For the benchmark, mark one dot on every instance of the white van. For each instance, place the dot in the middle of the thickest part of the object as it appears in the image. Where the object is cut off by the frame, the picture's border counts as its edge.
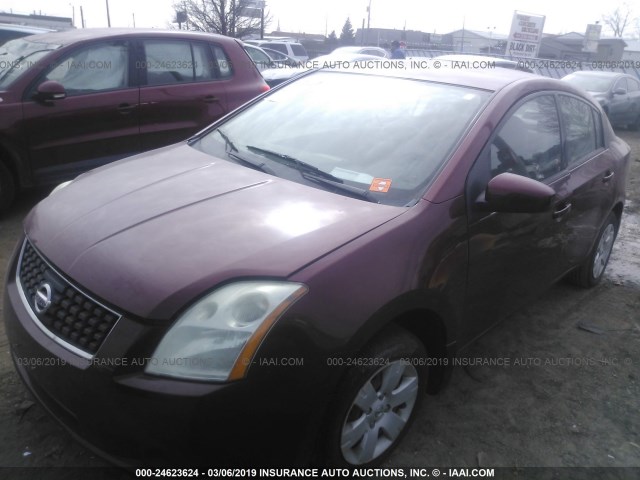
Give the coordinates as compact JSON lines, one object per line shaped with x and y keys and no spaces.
{"x":293,"y":49}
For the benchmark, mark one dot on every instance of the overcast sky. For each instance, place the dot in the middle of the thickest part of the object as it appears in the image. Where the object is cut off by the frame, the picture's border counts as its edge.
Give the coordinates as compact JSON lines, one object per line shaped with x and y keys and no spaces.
{"x":316,"y":16}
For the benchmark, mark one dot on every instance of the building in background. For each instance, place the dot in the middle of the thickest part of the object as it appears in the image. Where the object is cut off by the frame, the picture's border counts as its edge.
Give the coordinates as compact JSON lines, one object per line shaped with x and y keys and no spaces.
{"x":33,"y":20}
{"x":570,"y":46}
{"x":632,"y":50}
{"x":475,"y":41}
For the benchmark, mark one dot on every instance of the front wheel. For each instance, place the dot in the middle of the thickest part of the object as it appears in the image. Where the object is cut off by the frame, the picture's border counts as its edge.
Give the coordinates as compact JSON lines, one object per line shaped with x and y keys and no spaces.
{"x":378,"y":400}
{"x":590,"y":273}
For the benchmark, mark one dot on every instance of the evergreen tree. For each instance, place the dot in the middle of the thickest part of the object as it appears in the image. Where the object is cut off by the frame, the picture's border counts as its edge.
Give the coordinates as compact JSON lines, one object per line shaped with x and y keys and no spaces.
{"x":347,"y":37}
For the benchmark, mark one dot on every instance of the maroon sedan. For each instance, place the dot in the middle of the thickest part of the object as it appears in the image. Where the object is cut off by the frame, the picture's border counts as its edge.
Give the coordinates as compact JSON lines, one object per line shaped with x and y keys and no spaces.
{"x":74,"y":100}
{"x":291,"y":287}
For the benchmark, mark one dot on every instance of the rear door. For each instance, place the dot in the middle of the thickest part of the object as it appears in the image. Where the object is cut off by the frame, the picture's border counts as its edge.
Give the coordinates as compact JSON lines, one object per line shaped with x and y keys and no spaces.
{"x":184,"y":88}
{"x":590,"y":187}
{"x":619,"y":105}
{"x":633,"y":90}
{"x":96,"y":123}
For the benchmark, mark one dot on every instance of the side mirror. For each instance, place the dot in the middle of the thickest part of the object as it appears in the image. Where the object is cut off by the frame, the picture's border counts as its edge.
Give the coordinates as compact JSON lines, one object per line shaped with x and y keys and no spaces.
{"x":620,"y":91}
{"x":49,"y":91}
{"x":513,"y":193}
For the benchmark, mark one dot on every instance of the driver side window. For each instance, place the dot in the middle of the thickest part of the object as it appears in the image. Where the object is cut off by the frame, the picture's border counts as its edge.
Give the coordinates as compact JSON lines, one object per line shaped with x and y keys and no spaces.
{"x":96,"y":68}
{"x":528,"y":143}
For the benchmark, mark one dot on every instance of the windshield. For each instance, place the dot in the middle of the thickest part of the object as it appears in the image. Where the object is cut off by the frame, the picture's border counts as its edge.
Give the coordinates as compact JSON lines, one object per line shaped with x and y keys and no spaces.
{"x":385,"y":136}
{"x":18,"y":56}
{"x":591,"y":83}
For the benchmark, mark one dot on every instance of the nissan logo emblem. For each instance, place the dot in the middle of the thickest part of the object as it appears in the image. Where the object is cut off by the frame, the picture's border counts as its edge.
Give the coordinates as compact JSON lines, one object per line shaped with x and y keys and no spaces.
{"x":42,"y":300}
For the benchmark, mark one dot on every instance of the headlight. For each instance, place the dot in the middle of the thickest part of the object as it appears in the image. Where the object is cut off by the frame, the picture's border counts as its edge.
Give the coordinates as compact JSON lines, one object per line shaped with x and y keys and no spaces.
{"x":217,"y":337}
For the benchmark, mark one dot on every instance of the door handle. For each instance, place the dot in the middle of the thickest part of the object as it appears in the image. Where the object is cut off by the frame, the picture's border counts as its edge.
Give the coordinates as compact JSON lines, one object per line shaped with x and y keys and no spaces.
{"x":561,"y":211}
{"x":126,"y":108}
{"x":608,"y":176}
{"x":211,"y":99}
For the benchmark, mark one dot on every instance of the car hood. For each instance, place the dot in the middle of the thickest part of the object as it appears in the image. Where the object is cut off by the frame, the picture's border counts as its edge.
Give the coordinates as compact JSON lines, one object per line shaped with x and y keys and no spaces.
{"x":150,"y":233}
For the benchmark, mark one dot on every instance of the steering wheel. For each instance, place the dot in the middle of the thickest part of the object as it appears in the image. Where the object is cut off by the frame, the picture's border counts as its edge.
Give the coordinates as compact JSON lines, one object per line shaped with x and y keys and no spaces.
{"x":508,"y":159}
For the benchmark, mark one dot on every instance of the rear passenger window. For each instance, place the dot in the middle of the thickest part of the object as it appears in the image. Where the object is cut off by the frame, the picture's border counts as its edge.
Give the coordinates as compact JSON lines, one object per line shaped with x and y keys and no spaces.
{"x":222,"y":61}
{"x":202,"y":66}
{"x":632,"y":85}
{"x":277,"y":46}
{"x":580,"y":128}
{"x":298,"y":50}
{"x":528,"y":143}
{"x":170,"y":61}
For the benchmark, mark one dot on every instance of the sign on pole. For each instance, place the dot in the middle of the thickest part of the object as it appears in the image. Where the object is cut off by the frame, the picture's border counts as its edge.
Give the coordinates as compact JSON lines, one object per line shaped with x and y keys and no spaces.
{"x":252,"y":8}
{"x":526,"y":35}
{"x":591,"y":38}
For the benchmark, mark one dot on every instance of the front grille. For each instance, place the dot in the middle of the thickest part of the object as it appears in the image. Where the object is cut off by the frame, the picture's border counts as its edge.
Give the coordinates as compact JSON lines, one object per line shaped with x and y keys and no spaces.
{"x":72,"y":318}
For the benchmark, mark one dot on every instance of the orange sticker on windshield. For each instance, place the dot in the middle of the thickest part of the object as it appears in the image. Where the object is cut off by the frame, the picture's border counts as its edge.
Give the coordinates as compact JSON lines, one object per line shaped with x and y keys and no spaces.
{"x":381,"y":185}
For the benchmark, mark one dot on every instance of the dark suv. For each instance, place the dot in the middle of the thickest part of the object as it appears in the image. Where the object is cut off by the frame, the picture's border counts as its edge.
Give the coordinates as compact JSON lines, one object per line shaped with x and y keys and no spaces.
{"x":74,"y":100}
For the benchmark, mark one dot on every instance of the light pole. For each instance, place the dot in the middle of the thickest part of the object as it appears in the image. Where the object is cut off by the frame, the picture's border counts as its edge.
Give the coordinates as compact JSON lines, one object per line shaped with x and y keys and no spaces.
{"x":108,"y":16}
{"x":490,"y":30}
{"x":368,"y":20}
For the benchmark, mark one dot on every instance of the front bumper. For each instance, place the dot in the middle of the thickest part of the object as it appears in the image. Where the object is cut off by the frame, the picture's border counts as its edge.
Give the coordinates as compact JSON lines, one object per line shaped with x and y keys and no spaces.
{"x":133,"y":419}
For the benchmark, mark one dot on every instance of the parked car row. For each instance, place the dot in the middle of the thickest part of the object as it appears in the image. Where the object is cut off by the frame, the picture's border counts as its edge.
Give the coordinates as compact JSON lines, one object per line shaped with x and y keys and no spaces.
{"x":75,"y":100}
{"x":291,"y":49}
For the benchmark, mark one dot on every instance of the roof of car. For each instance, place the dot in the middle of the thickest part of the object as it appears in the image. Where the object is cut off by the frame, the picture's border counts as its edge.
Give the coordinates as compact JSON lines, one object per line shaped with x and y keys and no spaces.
{"x":82,"y":34}
{"x":597,"y":74}
{"x":488,"y":79}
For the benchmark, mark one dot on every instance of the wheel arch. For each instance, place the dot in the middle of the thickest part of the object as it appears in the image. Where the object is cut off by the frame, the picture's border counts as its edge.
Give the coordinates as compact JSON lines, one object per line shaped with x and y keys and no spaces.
{"x":427,"y":317}
{"x":617,"y":210}
{"x":13,"y":160}
{"x":430,"y":329}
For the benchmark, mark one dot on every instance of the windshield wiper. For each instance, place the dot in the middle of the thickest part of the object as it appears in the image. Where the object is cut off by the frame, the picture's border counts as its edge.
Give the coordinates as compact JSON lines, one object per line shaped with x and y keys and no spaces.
{"x":290,"y":161}
{"x":227,"y":141}
{"x":343,"y":187}
{"x":230,"y":147}
{"x":314,"y":174}
{"x":251,"y":164}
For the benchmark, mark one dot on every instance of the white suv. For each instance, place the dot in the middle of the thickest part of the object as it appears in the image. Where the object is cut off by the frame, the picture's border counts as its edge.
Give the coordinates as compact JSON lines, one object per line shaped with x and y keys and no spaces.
{"x":293,"y":49}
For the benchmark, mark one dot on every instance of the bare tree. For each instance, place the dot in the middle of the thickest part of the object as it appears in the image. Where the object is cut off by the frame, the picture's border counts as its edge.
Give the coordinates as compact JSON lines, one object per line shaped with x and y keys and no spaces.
{"x":619,"y":19}
{"x":234,"y":18}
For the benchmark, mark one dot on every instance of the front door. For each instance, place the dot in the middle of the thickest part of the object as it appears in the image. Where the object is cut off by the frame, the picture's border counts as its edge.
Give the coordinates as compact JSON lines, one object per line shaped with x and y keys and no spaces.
{"x":514,"y":256}
{"x":95,"y":124}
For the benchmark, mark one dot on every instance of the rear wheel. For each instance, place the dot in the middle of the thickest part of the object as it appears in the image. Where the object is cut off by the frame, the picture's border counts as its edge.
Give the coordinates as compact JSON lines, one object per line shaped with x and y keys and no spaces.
{"x":590,"y":273}
{"x":7,"y":187}
{"x":378,"y":400}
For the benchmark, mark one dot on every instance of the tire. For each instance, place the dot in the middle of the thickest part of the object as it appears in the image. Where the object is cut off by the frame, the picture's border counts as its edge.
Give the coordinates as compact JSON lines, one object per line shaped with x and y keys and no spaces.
{"x":635,"y":126}
{"x":377,"y":403}
{"x":7,"y":187}
{"x":590,"y":273}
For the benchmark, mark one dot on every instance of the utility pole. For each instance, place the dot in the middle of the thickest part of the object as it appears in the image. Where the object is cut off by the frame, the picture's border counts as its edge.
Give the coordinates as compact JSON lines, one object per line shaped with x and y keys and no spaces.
{"x":133,"y":15}
{"x":108,"y":16}
{"x":262,"y":22}
{"x":81,"y":16}
{"x":368,"y":21}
